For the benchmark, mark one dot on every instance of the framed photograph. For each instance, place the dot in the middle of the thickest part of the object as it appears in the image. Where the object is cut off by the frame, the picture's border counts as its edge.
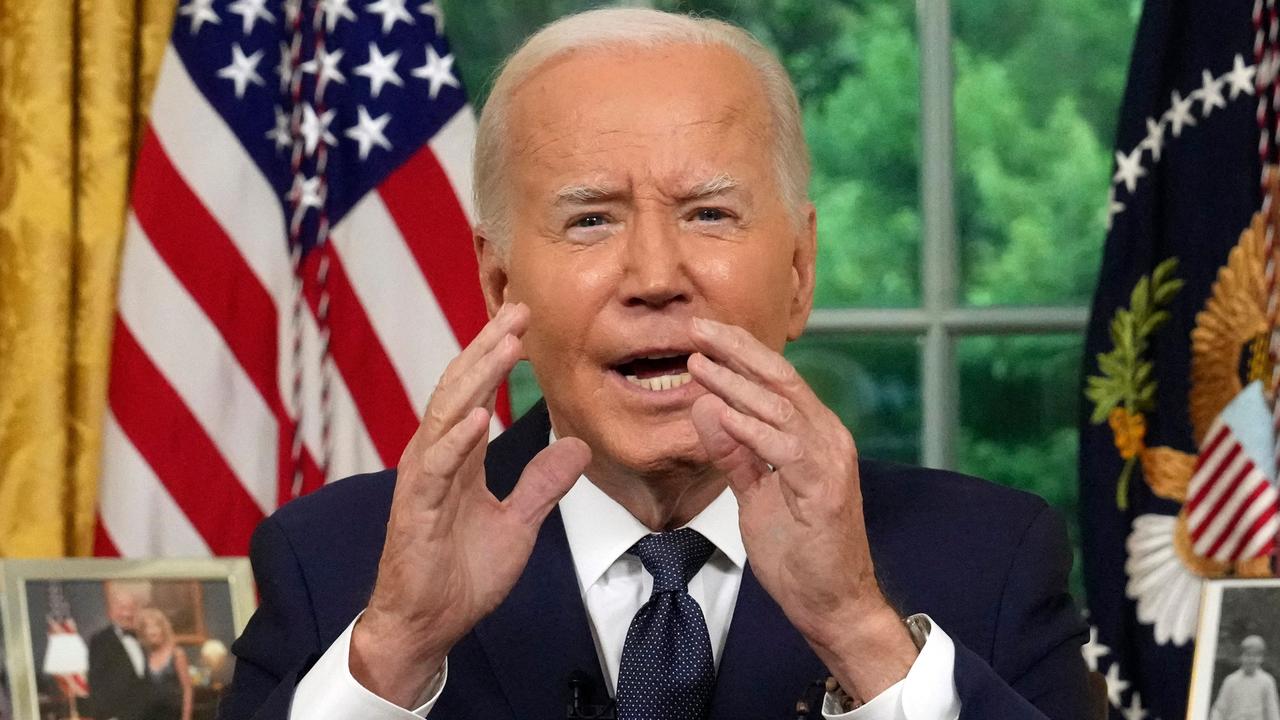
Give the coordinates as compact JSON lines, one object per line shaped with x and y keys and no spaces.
{"x":102,"y":639}
{"x":6,"y":702}
{"x":1237,"y":658}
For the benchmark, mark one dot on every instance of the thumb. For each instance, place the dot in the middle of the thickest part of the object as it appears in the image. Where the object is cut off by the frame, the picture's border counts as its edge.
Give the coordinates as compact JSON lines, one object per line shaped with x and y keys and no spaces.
{"x":546,"y":479}
{"x":741,"y":466}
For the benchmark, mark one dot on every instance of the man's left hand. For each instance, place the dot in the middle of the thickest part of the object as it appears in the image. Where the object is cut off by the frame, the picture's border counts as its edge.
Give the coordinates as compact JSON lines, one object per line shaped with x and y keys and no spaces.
{"x":794,"y":469}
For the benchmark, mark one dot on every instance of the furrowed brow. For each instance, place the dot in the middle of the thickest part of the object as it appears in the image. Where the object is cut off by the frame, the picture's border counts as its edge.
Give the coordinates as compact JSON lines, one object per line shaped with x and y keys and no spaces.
{"x":718,"y":185}
{"x":581,"y":194}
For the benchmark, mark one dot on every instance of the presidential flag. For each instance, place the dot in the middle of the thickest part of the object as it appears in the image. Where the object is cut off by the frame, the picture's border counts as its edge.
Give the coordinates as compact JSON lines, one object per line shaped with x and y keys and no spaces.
{"x":1175,"y":479}
{"x":297,"y":270}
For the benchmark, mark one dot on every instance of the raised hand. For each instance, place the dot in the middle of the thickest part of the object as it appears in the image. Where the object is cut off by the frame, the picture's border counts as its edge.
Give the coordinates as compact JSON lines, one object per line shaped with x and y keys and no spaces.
{"x":453,"y":550}
{"x":794,"y":469}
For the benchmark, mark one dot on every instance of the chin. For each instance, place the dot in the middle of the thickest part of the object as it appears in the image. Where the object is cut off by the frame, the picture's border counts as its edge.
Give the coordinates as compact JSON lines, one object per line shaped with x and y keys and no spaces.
{"x":655,"y":448}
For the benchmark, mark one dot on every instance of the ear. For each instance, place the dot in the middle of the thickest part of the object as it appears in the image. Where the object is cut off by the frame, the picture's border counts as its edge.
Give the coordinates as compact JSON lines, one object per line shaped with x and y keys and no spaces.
{"x":493,"y":271}
{"x":803,"y":261}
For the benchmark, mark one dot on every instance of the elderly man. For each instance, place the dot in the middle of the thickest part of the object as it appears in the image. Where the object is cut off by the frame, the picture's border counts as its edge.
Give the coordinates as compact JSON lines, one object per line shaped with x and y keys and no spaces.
{"x":118,"y":683}
{"x":683,"y":527}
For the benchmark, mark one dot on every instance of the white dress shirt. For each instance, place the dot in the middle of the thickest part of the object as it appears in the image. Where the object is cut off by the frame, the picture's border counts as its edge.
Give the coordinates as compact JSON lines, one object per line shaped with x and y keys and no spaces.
{"x":614,"y":585}
{"x":132,"y":648}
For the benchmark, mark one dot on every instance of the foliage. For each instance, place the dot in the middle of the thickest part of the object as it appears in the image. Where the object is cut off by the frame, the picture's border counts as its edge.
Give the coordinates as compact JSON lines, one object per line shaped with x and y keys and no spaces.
{"x":1125,"y":391}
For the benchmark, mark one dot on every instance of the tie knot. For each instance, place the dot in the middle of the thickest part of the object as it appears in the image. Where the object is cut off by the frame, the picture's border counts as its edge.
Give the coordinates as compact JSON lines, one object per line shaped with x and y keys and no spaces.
{"x":673,"y":558}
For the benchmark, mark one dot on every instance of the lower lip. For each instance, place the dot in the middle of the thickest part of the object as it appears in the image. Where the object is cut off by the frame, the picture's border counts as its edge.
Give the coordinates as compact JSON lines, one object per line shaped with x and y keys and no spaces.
{"x":675,"y":397}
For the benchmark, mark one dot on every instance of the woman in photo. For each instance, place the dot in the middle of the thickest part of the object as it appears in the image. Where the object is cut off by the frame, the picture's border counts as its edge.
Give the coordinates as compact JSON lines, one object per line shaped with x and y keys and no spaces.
{"x":167,"y":668}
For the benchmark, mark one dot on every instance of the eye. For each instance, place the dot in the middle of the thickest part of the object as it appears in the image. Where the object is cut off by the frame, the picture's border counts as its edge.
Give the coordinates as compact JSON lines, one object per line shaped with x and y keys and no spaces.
{"x":590,"y":221}
{"x":709,"y":215}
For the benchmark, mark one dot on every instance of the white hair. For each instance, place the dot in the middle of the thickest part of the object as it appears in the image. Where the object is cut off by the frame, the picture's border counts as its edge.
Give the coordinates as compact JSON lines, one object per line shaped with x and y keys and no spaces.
{"x":636,"y":27}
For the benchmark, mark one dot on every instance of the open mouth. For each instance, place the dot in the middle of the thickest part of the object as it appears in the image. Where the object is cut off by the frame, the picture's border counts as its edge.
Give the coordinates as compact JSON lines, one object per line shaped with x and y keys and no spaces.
{"x":658,"y":372}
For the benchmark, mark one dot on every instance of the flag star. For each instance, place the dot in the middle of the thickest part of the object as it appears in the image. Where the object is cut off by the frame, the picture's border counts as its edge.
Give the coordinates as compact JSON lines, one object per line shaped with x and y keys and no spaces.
{"x":368,"y":132}
{"x":280,"y":134}
{"x":292,"y":9}
{"x":1154,"y":141}
{"x":1114,"y":208}
{"x":284,"y":68}
{"x":1241,"y":77}
{"x":1115,"y":686}
{"x":200,"y":12}
{"x":1134,"y":711}
{"x":336,"y":11}
{"x":392,"y":11}
{"x":306,"y":192}
{"x":433,"y":11}
{"x":381,"y":69}
{"x":1093,"y":650}
{"x":1210,"y":92}
{"x":1180,"y":112}
{"x":242,"y":70}
{"x":316,"y":128}
{"x":1129,"y":169}
{"x":325,"y":66}
{"x":438,"y":71}
{"x":250,"y":11}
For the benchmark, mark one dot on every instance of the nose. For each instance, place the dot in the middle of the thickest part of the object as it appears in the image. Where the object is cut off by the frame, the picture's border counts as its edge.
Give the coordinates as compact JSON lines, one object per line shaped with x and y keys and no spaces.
{"x":655,"y":269}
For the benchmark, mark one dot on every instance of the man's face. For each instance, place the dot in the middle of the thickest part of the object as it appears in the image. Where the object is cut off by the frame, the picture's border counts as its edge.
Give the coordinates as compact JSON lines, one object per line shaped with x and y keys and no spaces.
{"x":122,"y":608}
{"x":644,"y":194}
{"x":1251,"y":659}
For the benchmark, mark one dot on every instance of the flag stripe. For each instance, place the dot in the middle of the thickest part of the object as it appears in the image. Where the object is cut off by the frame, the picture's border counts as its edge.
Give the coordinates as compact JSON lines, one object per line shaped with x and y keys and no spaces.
{"x":402,"y":311}
{"x":1232,"y":527}
{"x":193,"y":245}
{"x":1210,"y":458}
{"x":420,"y":198}
{"x":378,"y":395}
{"x":1212,"y":494}
{"x":1232,"y":476}
{"x":174,"y":445}
{"x":1263,"y":512}
{"x":187,"y":348}
{"x":219,"y":172}
{"x":139,"y":517}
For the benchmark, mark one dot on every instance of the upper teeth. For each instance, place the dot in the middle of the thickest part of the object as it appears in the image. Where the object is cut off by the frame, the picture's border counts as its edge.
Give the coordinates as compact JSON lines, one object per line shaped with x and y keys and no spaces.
{"x":660,"y":382}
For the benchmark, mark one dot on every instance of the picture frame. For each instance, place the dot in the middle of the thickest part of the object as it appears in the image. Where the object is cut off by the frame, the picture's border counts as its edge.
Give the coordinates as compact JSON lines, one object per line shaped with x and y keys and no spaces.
{"x":95,"y":637}
{"x":6,"y":696}
{"x":1237,"y":644}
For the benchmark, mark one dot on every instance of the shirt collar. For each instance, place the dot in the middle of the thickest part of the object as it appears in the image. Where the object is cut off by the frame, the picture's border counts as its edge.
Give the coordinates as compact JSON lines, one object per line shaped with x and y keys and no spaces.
{"x":600,"y":530}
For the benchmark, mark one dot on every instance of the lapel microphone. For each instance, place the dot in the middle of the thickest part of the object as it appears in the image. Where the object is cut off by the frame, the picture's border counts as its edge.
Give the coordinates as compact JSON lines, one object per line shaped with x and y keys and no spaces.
{"x":580,"y":707}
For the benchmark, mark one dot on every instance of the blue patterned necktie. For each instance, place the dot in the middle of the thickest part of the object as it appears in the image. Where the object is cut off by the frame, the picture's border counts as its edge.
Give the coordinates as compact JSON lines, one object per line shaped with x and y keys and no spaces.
{"x":667,"y":669}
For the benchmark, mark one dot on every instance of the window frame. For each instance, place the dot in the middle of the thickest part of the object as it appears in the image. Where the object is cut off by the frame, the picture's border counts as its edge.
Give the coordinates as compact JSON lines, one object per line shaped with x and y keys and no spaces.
{"x":941,"y":320}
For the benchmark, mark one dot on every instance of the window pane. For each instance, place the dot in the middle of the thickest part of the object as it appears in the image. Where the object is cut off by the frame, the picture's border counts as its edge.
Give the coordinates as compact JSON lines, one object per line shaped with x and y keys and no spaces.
{"x":1037,"y":93}
{"x":872,"y":383}
{"x":1019,"y":398}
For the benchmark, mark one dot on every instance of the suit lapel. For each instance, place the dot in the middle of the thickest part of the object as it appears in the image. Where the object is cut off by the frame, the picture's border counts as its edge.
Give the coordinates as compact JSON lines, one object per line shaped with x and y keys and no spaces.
{"x":540,"y":634}
{"x":767,"y":666}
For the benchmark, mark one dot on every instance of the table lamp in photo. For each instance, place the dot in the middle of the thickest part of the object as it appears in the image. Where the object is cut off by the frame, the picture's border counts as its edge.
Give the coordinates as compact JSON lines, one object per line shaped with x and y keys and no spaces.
{"x":66,"y":659}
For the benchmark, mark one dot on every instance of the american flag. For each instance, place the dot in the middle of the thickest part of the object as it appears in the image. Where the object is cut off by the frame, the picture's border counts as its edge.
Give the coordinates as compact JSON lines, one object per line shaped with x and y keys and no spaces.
{"x":1232,"y":511}
{"x":297,"y":268}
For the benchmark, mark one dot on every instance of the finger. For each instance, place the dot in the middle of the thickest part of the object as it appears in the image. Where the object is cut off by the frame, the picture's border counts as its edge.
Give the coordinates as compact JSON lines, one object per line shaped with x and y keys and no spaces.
{"x":511,"y":319}
{"x":442,"y":460}
{"x":546,"y":479}
{"x":740,"y":465}
{"x":469,"y":387}
{"x":779,"y":449}
{"x":744,"y":395}
{"x":741,"y":352}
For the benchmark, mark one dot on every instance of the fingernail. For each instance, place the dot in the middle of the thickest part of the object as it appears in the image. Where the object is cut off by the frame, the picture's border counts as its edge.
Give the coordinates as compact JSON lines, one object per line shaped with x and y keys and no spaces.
{"x":702,"y":324}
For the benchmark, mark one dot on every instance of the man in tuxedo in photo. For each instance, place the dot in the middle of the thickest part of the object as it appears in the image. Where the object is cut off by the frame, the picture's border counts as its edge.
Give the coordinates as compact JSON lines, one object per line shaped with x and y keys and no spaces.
{"x":682,"y":526}
{"x":118,"y":682}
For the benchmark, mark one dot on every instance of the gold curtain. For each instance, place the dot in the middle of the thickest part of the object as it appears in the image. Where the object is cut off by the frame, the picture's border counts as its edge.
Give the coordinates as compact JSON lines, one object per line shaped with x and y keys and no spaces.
{"x":75,"y":78}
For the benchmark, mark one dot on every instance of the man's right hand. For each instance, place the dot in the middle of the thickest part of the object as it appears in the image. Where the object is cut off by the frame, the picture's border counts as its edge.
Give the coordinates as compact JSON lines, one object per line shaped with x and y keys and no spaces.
{"x":453,"y":550}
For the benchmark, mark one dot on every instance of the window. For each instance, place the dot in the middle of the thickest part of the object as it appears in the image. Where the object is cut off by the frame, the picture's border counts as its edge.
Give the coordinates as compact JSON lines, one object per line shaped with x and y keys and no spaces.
{"x":962,"y":154}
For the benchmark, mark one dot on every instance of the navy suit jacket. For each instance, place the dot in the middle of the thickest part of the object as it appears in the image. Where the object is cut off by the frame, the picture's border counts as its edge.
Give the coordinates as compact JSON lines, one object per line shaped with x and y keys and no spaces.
{"x":988,"y":564}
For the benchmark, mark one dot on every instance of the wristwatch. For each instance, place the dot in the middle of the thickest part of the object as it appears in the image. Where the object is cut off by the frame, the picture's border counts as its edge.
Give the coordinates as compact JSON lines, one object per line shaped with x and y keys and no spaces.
{"x":918,"y":628}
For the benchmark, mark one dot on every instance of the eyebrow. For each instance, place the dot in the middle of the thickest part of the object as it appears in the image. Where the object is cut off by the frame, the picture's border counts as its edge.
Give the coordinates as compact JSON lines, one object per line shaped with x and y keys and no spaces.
{"x":580,"y":193}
